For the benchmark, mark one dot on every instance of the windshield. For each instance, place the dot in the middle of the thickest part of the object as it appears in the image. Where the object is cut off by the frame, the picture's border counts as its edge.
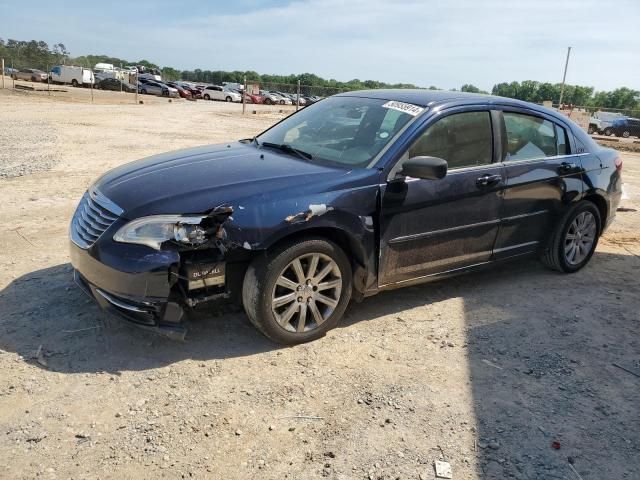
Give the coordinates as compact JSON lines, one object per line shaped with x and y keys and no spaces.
{"x":348,"y":131}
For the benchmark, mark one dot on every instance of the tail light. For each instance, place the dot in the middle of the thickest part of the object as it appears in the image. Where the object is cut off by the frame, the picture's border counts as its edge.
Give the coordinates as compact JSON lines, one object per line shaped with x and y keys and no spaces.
{"x":618,"y":163}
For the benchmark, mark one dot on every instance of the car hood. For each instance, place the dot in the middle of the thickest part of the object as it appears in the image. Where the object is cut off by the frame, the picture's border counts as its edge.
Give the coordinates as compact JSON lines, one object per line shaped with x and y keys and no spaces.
{"x":199,"y":179}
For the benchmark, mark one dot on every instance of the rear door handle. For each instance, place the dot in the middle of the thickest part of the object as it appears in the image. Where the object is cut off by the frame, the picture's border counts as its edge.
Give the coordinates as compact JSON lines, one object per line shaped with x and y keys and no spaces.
{"x":566,"y":167}
{"x":486,"y":180}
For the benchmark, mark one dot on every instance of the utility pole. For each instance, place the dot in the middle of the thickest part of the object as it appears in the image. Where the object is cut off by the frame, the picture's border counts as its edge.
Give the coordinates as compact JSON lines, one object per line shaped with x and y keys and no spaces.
{"x":298,"y":96}
{"x":564,"y":77}
{"x":3,"y":73}
{"x":244,"y":96}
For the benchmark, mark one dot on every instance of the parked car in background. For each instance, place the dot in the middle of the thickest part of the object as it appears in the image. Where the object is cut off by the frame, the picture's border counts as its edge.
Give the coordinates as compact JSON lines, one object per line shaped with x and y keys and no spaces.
{"x":601,"y":122}
{"x":76,"y":76}
{"x":271,"y":98}
{"x":253,"y":98}
{"x":152,"y":87}
{"x":183,"y":92}
{"x":294,"y":98}
{"x":115,"y":85}
{"x":31,"y":74}
{"x":626,"y":127}
{"x":215,"y":92}
{"x":360,"y":193}
{"x":195,"y":92}
{"x":10,"y":71}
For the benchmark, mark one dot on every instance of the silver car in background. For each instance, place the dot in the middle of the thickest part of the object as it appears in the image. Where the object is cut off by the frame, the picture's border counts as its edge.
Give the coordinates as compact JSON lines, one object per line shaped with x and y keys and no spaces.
{"x":152,"y":87}
{"x":31,"y":74}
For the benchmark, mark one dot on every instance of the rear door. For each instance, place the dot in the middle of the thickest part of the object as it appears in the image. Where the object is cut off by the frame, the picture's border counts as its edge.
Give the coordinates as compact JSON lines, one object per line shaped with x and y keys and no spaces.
{"x":433,"y":226}
{"x":543,"y":175}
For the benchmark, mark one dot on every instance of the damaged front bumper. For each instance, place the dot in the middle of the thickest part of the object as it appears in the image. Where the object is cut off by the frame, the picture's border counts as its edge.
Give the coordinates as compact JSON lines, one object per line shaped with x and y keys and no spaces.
{"x":134,"y":287}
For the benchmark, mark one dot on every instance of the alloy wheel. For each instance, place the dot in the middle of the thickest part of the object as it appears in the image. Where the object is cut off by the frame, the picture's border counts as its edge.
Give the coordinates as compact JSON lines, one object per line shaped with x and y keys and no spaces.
{"x":580,"y":238}
{"x":306,"y":292}
{"x":626,"y":134}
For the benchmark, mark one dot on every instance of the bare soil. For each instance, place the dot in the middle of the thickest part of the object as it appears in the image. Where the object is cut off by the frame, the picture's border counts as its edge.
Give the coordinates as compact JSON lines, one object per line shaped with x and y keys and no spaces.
{"x":485,"y":371}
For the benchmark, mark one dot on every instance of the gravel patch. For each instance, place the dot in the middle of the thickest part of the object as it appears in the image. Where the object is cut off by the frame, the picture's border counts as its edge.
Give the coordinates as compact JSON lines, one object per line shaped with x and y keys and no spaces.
{"x":28,"y":146}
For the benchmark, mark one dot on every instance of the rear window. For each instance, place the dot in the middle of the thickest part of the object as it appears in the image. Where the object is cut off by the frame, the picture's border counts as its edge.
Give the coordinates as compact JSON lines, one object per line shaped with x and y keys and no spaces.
{"x":530,"y":137}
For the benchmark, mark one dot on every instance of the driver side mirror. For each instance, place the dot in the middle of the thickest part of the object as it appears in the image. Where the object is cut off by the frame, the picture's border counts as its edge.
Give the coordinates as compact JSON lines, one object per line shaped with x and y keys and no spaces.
{"x":428,"y":168}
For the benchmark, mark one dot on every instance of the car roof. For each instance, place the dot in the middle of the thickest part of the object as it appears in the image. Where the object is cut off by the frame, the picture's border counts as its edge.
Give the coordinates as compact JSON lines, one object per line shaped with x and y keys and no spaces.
{"x":431,"y":98}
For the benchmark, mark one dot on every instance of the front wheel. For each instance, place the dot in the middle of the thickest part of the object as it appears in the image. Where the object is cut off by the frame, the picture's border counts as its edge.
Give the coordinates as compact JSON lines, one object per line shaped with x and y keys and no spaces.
{"x":207,"y":97}
{"x":574,"y":239}
{"x":228,"y":99}
{"x":299,"y":291}
{"x":608,"y":131}
{"x":626,"y":134}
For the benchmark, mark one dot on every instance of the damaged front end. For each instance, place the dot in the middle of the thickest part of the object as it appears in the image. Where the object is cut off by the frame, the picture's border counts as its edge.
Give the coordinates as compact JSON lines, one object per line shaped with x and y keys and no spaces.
{"x":152,"y":288}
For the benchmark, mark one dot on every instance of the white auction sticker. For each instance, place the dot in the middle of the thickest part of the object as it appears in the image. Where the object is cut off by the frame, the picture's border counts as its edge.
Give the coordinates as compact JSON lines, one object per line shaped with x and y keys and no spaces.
{"x":409,"y":108}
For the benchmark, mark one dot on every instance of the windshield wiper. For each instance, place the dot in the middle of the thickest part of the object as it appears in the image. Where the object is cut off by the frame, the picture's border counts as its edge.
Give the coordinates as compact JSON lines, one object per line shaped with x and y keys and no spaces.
{"x":289,"y":149}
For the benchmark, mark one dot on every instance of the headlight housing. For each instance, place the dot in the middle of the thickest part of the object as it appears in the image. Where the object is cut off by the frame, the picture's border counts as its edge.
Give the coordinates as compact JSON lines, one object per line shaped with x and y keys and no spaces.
{"x":153,"y":231}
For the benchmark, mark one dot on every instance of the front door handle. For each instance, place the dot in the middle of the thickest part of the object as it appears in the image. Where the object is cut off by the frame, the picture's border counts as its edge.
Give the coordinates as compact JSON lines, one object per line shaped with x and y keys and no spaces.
{"x":566,"y":167}
{"x":486,"y":180}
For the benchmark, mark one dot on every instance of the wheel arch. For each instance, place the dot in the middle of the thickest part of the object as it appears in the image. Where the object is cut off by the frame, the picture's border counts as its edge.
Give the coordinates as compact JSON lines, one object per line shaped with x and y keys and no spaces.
{"x":601,"y":203}
{"x":362,"y":270}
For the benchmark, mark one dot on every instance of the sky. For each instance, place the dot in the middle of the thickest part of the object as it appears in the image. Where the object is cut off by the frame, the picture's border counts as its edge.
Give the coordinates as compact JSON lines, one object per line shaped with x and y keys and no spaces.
{"x":445,"y":43}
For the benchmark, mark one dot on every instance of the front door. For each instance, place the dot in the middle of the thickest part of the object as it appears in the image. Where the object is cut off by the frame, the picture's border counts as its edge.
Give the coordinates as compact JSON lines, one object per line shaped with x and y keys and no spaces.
{"x":434,"y":226}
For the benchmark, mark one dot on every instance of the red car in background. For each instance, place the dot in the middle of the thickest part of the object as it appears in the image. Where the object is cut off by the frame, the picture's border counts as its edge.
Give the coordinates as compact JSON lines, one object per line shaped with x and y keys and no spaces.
{"x":182,"y":91}
{"x":253,"y":98}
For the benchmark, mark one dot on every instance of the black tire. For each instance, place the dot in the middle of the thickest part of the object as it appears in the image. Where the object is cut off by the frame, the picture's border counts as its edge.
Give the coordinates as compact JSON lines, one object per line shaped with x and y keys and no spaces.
{"x":74,"y":83}
{"x":626,"y":134}
{"x":14,"y":77}
{"x":268,"y":101}
{"x":608,"y":132}
{"x":591,"y":130}
{"x":260,"y":284}
{"x":228,"y":99}
{"x":553,"y":256}
{"x":207,"y":97}
{"x":143,"y":91}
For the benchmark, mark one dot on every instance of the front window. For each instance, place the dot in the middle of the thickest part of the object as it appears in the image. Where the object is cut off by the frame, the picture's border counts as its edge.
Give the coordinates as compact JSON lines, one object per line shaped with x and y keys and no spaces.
{"x":344,"y":131}
{"x":462,"y":139}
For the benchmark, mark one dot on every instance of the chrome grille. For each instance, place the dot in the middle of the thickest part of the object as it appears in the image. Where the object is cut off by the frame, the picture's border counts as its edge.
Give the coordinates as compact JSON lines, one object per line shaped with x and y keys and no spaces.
{"x":94,"y":215}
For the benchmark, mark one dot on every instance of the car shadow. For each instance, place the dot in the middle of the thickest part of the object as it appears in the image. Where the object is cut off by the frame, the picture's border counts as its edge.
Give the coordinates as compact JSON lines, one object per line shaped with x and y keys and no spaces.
{"x":541,"y":372}
{"x":541,"y":347}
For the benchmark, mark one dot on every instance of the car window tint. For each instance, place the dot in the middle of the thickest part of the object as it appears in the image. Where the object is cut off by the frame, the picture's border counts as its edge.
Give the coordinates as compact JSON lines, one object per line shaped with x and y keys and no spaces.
{"x":563,"y":144}
{"x":529,"y":137}
{"x":462,"y":139}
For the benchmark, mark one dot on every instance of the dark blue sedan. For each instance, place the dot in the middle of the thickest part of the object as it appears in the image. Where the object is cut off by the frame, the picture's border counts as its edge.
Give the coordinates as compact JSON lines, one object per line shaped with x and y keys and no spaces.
{"x":358,"y":193}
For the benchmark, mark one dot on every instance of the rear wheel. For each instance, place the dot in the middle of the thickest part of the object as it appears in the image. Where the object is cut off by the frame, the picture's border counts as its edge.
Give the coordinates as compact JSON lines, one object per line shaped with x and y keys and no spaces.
{"x":228,"y":99}
{"x":574,"y":239}
{"x":626,"y":134}
{"x":299,"y":291}
{"x":74,"y":83}
{"x":207,"y":97}
{"x":608,"y":131}
{"x":267,"y":101}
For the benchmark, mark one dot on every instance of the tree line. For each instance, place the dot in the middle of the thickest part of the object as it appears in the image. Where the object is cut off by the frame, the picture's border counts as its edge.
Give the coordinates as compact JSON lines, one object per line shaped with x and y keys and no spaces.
{"x":38,"y":54}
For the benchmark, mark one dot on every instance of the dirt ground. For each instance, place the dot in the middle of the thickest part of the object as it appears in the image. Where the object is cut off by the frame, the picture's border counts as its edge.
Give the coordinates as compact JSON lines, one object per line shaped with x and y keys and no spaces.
{"x":485,"y":370}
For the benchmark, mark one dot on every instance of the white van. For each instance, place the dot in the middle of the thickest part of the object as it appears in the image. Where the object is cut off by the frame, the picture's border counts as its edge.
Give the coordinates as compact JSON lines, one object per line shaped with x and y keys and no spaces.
{"x":76,"y":76}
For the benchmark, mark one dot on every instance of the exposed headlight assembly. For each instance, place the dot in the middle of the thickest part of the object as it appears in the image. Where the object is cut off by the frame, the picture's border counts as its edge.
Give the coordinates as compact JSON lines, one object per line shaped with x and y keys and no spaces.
{"x":153,"y":231}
